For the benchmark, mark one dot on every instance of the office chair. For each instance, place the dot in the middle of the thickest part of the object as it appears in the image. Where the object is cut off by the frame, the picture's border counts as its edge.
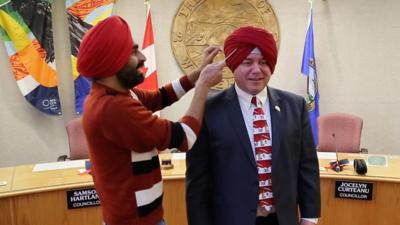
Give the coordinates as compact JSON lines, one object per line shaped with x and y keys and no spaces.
{"x":340,"y":131}
{"x":78,"y":146}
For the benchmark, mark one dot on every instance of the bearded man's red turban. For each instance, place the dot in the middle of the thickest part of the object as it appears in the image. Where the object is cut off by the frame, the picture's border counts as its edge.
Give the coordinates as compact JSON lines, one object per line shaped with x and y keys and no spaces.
{"x":244,"y":40}
{"x":105,"y":48}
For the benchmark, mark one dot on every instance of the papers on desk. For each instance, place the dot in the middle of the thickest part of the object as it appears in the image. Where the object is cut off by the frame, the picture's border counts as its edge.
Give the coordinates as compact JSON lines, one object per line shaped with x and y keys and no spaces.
{"x":179,"y":156}
{"x":326,"y":155}
{"x":375,"y":160}
{"x":59,"y":165}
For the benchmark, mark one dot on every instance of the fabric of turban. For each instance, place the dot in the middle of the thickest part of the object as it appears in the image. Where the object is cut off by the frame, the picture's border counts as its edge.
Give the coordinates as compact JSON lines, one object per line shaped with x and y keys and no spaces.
{"x":105,"y":48}
{"x":244,"y":40}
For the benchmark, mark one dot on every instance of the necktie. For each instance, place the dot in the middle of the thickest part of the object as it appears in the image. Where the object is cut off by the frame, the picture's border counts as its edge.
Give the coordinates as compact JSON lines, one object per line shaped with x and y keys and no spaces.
{"x":263,"y":152}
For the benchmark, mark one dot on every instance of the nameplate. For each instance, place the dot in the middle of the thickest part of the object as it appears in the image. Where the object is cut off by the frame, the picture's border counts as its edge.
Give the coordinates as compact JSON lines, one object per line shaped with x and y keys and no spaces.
{"x":80,"y":198}
{"x":354,"y":190}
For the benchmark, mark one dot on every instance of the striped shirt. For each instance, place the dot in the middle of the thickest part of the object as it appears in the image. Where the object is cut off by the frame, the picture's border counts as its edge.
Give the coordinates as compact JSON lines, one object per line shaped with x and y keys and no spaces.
{"x":124,"y":138}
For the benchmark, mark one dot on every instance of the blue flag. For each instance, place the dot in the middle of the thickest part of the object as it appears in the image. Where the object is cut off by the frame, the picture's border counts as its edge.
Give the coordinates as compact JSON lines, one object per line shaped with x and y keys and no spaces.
{"x":309,"y":69}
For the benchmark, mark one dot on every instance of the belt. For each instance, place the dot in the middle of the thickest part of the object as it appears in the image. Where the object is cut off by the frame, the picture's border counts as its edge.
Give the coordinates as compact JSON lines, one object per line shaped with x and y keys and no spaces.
{"x":271,"y":219}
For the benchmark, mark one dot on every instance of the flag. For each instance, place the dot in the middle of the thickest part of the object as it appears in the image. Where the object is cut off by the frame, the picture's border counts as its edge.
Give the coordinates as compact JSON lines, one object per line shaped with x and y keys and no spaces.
{"x":4,"y":2}
{"x":26,"y":30}
{"x":148,"y":50}
{"x":309,"y":69}
{"x":83,"y":15}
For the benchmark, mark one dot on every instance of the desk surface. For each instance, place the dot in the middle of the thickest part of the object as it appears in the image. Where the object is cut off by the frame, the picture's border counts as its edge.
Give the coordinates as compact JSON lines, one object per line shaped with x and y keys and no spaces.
{"x":388,"y":173}
{"x":22,"y":179}
{"x":6,"y":175}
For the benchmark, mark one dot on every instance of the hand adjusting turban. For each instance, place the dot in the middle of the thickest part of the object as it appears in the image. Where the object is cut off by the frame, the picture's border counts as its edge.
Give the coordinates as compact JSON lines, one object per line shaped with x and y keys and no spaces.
{"x":245,"y":39}
{"x":105,"y":48}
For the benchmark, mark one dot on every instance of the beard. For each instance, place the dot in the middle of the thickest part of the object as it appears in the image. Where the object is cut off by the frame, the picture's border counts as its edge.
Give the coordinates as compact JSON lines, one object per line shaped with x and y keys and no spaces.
{"x":130,"y":77}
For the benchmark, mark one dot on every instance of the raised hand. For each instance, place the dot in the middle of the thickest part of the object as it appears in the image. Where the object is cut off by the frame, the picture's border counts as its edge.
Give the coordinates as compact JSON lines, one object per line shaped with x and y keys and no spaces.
{"x":209,"y":54}
{"x":211,"y":74}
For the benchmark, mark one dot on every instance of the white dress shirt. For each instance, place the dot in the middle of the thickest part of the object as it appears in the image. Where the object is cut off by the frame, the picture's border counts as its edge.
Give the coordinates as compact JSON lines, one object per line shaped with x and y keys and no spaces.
{"x":247,"y":111}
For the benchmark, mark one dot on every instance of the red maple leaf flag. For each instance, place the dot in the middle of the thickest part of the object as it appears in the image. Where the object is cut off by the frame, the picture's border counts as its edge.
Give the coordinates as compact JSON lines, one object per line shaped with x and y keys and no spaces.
{"x":150,"y":70}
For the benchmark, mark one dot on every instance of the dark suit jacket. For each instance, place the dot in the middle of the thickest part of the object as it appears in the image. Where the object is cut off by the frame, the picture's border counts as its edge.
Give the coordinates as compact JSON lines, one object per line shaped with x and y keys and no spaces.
{"x":222,"y":177}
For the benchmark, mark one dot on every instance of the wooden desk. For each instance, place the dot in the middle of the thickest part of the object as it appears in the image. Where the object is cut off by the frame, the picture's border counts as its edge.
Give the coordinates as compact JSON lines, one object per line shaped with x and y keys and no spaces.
{"x":383,"y":209}
{"x":39,"y":198}
{"x":6,"y":175}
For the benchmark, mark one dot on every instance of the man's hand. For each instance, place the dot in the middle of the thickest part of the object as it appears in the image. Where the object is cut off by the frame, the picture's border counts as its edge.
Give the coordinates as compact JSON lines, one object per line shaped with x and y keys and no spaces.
{"x":209,"y":54}
{"x":211,"y":74}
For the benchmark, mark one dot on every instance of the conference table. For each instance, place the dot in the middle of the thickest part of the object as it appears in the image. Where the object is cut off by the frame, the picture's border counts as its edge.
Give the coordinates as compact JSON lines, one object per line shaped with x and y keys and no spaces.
{"x":38,"y":194}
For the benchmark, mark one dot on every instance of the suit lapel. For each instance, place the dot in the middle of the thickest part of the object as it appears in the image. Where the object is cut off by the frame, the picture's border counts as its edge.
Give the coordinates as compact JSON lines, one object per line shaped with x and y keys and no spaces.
{"x":238,"y":124}
{"x":277,"y":120}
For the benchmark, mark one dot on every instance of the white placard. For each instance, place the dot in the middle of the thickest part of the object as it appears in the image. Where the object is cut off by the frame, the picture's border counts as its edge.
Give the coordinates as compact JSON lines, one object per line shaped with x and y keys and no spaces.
{"x":59,"y":165}
{"x":179,"y":156}
{"x":326,"y":155}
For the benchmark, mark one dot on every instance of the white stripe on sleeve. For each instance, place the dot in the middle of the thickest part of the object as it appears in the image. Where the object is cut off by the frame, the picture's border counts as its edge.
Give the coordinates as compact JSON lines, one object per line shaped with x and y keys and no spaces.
{"x":178,"y":89}
{"x":190,"y":135}
{"x":143,"y":156}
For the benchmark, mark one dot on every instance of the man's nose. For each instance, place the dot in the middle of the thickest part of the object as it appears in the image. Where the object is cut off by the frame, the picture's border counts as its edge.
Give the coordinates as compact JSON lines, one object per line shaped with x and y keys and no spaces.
{"x":141,"y":57}
{"x":255,"y":68}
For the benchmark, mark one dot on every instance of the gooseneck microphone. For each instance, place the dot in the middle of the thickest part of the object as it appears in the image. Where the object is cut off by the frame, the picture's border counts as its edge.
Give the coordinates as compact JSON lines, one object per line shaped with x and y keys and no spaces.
{"x":337,"y":166}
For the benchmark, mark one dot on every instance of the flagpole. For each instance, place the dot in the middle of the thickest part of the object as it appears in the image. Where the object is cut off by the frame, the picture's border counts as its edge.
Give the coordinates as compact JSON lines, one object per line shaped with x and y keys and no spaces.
{"x":308,"y":68}
{"x":147,"y":3}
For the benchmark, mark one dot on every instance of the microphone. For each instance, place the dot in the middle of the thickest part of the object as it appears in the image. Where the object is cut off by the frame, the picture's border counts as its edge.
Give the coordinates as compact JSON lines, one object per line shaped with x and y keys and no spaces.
{"x":337,"y":166}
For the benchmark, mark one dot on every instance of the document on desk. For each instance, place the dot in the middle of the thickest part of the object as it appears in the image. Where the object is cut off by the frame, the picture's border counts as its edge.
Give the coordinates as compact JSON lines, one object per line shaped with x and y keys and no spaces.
{"x":376,"y":160}
{"x":59,"y":165}
{"x":326,"y":155}
{"x":179,"y":156}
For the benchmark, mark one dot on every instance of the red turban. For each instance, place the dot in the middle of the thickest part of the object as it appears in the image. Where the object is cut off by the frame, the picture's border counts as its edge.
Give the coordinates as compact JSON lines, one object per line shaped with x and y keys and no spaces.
{"x":244,"y":40}
{"x":105,"y":48}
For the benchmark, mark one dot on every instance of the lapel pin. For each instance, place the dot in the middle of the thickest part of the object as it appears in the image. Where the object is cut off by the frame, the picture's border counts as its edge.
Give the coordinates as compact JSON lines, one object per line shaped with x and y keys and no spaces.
{"x":277,"y":108}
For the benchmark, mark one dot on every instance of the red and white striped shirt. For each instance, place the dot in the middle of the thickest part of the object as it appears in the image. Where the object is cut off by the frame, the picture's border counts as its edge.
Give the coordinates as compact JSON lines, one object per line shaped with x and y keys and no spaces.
{"x":123,"y":137}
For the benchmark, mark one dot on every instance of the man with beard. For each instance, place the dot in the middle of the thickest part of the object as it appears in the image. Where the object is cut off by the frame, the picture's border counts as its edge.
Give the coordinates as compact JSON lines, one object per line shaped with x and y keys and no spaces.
{"x":123,"y":134}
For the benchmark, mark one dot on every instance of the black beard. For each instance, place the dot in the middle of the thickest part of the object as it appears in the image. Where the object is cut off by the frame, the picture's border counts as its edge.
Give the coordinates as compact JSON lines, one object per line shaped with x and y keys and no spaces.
{"x":130,"y":78}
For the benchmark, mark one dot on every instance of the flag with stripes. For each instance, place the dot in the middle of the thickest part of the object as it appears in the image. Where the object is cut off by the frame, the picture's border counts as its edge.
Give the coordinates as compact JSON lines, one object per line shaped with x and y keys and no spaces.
{"x":26,"y":30}
{"x":83,"y":15}
{"x":309,"y":69}
{"x":150,"y":70}
{"x":4,"y":2}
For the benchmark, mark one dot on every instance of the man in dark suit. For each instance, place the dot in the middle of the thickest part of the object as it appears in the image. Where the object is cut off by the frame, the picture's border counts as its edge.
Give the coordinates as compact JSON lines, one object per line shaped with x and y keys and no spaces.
{"x":254,"y":162}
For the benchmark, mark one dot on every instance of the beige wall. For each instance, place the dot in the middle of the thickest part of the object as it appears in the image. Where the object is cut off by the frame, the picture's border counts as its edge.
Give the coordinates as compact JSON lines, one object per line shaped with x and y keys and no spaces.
{"x":356,"y":50}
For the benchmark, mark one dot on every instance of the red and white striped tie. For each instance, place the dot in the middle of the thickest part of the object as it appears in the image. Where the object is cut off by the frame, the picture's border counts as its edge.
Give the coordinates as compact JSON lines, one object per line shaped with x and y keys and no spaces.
{"x":263,"y":151}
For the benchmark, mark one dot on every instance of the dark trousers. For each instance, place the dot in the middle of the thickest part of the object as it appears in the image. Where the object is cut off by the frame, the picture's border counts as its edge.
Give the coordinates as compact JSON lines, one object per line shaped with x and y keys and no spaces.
{"x":271,"y":219}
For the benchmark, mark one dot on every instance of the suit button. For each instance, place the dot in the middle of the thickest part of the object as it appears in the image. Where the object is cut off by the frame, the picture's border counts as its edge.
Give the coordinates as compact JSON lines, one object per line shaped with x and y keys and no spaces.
{"x":255,"y":182}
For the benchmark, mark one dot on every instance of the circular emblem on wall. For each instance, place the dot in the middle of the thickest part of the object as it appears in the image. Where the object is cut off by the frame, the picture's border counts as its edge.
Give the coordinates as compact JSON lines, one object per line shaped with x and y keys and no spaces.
{"x":200,"y":23}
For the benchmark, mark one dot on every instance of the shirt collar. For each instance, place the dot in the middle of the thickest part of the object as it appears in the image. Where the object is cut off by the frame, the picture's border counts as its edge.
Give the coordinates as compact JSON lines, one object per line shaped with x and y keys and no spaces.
{"x":245,"y":97}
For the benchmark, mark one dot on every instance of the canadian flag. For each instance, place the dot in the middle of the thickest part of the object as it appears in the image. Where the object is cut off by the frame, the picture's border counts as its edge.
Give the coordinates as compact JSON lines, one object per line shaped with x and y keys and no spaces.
{"x":150,"y":70}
